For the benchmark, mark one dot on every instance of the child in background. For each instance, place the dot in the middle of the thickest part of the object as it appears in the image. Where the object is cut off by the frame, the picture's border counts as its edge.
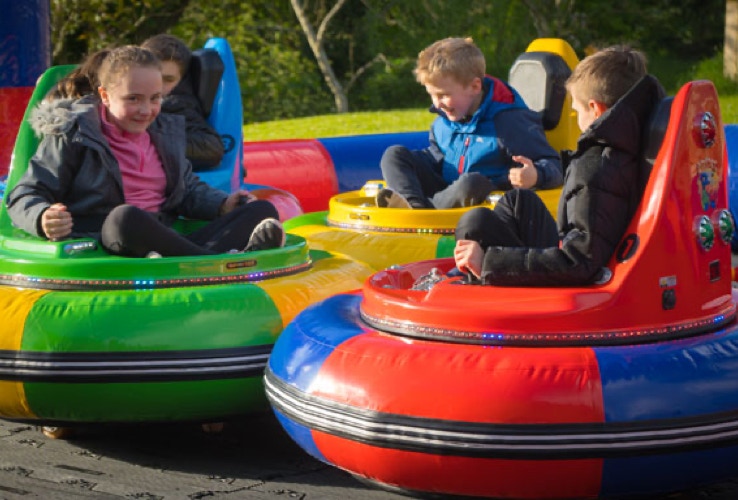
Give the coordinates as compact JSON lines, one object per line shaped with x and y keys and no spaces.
{"x":112,"y":168}
{"x":518,"y":243}
{"x":485,"y":137}
{"x":204,"y":145}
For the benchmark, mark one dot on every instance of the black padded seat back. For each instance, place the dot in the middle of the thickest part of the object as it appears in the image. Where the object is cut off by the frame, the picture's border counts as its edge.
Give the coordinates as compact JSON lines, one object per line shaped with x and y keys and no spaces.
{"x":654,"y":137}
{"x":206,"y":71}
{"x":540,"y":79}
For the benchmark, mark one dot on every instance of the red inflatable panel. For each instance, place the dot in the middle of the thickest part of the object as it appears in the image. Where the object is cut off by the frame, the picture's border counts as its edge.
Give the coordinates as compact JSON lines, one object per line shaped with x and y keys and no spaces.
{"x":302,"y":167}
{"x":13,"y":101}
{"x":495,"y":478}
{"x":286,"y":203}
{"x":537,"y":386}
{"x":464,"y":383}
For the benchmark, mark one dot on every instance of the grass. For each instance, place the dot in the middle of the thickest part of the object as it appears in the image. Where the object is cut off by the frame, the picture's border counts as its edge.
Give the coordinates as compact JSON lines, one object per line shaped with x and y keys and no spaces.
{"x":335,"y":125}
{"x":380,"y":122}
{"x":729,"y":108}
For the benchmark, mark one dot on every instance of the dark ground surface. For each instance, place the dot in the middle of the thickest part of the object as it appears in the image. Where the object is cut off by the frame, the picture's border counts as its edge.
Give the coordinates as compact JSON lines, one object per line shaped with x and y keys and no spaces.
{"x":251,"y":458}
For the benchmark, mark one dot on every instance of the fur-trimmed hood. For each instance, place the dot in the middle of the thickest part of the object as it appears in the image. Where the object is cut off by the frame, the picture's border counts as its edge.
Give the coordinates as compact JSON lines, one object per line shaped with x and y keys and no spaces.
{"x":54,"y":117}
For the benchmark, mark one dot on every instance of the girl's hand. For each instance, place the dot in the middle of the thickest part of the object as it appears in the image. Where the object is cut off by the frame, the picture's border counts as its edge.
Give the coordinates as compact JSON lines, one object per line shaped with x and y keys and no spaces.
{"x":240,"y":197}
{"x":469,"y":257}
{"x":525,"y":176}
{"x":56,"y":222}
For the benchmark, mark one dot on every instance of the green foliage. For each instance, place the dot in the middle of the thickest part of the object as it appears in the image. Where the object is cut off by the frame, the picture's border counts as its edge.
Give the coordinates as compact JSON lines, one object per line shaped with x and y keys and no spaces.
{"x":79,"y":27}
{"x":372,"y":44}
{"x":274,"y":70}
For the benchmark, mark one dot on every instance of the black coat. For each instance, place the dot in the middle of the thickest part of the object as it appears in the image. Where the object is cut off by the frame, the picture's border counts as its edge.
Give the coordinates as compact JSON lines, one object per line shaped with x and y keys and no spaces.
{"x":204,"y":145}
{"x":600,"y":195}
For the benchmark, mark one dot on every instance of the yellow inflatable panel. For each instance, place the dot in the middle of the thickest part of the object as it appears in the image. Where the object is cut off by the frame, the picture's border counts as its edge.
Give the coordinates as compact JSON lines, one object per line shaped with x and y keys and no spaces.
{"x":335,"y":275}
{"x":358,"y":210}
{"x":13,"y":402}
{"x":382,"y":237}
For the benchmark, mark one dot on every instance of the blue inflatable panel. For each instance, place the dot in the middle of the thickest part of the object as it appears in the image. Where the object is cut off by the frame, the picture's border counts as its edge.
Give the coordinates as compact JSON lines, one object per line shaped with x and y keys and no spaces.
{"x":677,"y":379}
{"x":731,"y":141}
{"x":227,"y":118}
{"x":644,"y":475}
{"x":356,"y":158}
{"x":302,"y":435}
{"x":25,"y":42}
{"x":314,"y":334}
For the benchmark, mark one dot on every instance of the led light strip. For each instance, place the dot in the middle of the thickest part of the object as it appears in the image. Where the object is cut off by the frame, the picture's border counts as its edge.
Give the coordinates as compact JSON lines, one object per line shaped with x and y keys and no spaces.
{"x":636,"y":335}
{"x":385,"y":229}
{"x":23,"y":281}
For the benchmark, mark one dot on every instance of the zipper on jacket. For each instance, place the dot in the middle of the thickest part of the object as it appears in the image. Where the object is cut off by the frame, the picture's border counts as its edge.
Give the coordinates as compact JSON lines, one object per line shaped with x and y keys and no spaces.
{"x":463,"y":154}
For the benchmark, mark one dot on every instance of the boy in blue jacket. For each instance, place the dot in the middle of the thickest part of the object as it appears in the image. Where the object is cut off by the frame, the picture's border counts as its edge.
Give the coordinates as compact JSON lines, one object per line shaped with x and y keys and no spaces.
{"x":485,"y":137}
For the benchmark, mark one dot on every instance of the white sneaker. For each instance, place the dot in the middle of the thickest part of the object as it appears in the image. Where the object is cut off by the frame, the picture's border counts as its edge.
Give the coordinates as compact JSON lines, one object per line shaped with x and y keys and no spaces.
{"x":267,"y":234}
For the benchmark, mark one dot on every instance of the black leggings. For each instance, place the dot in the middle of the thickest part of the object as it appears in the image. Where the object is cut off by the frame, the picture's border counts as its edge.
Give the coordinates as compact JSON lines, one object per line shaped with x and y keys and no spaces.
{"x":519,"y":219}
{"x":133,"y":232}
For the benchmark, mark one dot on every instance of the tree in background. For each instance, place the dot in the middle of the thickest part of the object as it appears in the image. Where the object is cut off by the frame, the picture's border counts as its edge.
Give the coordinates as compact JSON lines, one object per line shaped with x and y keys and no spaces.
{"x":79,"y":27}
{"x":370,"y":46}
{"x":277,"y":73}
{"x":730,"y":50}
{"x":316,"y":41}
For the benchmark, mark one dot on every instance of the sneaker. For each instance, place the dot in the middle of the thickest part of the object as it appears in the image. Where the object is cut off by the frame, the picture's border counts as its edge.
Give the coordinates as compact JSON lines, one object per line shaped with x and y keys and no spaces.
{"x":153,"y":255}
{"x":267,"y":234}
{"x":386,"y":198}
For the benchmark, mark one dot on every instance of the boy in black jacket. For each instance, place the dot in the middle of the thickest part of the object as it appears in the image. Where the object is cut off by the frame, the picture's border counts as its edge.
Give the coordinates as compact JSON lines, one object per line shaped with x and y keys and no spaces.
{"x":204,"y":145}
{"x":518,"y":243}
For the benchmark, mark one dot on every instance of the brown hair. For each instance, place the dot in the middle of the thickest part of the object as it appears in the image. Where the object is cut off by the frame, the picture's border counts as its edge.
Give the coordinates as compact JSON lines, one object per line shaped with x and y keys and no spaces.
{"x":83,"y":80}
{"x":170,"y":48}
{"x":608,"y":74}
{"x":122,"y":59}
{"x":458,"y":58}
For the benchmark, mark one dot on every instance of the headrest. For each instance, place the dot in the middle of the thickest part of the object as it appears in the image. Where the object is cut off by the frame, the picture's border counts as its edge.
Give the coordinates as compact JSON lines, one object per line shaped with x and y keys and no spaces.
{"x":653,"y":136}
{"x":206,"y":71}
{"x":540,"y":79}
{"x":656,"y":129}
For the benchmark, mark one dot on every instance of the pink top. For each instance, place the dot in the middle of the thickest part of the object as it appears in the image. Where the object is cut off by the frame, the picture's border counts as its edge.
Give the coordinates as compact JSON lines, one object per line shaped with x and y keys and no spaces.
{"x":144,"y":180}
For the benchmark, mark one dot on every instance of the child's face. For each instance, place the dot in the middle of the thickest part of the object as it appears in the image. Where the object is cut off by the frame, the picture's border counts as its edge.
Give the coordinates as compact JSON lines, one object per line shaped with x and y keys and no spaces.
{"x":135,"y":101}
{"x":458,"y":101}
{"x":586,"y":110}
{"x":171,"y":74}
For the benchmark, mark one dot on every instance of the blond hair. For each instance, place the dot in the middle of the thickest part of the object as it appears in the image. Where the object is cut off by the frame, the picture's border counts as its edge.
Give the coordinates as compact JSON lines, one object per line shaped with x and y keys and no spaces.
{"x":608,"y":74}
{"x":121,"y":59}
{"x":458,"y":58}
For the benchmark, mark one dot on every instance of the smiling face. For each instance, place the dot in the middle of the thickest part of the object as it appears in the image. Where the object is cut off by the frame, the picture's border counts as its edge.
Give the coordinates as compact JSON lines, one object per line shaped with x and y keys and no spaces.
{"x":134,"y":101}
{"x":456,"y":100}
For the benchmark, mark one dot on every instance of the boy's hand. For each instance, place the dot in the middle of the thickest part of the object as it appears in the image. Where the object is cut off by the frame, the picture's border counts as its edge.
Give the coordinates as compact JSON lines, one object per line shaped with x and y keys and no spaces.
{"x":240,"y":197}
{"x":469,"y":257}
{"x":56,"y":222}
{"x":525,"y":176}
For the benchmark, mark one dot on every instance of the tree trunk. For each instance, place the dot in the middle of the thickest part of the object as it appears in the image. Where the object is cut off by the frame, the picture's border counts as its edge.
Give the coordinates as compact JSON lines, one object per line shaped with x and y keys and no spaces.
{"x":730,"y":47}
{"x":316,"y":45}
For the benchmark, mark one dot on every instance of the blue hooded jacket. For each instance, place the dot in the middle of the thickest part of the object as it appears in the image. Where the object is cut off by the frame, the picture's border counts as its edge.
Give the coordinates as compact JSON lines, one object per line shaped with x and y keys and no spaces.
{"x":503,"y":126}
